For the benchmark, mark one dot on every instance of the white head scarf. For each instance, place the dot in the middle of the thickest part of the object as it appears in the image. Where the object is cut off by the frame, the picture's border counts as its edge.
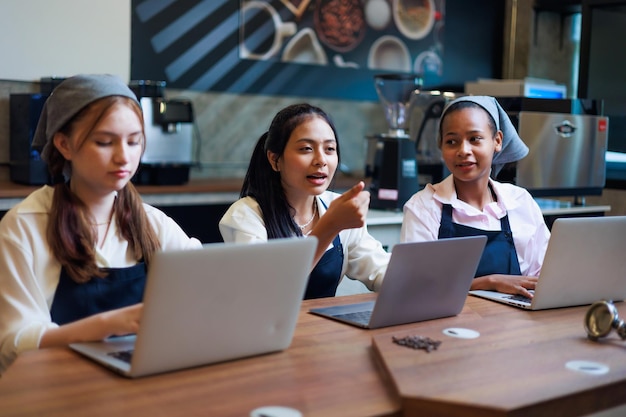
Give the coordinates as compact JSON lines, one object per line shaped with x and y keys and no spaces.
{"x":513,"y":148}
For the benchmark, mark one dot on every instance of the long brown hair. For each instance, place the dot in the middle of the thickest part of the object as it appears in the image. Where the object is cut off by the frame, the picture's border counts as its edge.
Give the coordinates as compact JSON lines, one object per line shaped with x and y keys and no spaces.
{"x":70,"y":233}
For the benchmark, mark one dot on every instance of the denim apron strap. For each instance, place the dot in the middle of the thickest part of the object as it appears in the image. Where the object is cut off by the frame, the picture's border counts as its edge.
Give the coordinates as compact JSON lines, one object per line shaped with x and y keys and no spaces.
{"x":499,"y":255}
{"x":325,"y":277}
{"x":120,"y":288}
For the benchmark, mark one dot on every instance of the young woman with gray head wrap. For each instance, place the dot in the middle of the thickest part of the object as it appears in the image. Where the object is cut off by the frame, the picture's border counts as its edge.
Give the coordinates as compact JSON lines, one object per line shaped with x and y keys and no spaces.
{"x":477,"y":139}
{"x":73,"y":255}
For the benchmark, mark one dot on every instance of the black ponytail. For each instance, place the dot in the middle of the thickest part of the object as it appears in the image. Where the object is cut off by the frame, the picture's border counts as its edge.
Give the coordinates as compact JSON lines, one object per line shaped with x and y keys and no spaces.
{"x":263,"y":184}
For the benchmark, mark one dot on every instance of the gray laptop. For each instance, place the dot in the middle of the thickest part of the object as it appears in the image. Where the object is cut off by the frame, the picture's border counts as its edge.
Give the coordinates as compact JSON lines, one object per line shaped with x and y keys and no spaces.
{"x":222,"y":302}
{"x":585,"y":262}
{"x":424,"y":281}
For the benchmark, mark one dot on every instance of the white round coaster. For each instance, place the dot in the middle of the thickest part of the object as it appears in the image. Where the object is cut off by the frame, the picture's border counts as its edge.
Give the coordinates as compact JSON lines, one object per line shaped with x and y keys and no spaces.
{"x":587,"y":367}
{"x":275,"y":411}
{"x":461,"y":333}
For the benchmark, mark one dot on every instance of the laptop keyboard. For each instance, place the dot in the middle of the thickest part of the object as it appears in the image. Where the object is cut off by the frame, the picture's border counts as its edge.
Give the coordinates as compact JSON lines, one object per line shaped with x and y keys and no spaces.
{"x":521,"y":298}
{"x":362,"y":317}
{"x":123,"y":355}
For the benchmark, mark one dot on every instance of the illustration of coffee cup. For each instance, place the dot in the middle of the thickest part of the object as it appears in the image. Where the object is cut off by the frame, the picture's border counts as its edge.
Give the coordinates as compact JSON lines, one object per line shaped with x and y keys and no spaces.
{"x":414,"y":18}
{"x":262,"y":31}
{"x":389,"y":53}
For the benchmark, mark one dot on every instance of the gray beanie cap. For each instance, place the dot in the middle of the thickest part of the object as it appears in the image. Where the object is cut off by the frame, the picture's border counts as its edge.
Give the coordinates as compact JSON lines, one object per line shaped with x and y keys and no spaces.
{"x":68,"y":99}
{"x":513,"y":148}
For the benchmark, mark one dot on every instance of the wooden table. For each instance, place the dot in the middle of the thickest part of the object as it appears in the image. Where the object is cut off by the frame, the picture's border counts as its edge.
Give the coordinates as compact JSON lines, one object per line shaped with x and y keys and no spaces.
{"x":327,"y":371}
{"x":333,"y":369}
{"x":520,"y":365}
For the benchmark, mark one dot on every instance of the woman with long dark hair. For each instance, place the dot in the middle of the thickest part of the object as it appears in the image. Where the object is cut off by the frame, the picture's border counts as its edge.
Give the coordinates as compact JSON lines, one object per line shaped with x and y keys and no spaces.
{"x":285,"y":193}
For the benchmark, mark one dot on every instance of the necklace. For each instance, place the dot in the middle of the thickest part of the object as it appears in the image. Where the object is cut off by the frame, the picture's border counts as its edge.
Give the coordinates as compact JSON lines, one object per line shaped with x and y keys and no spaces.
{"x":106,"y":231}
{"x":108,"y":225}
{"x":305,"y":225}
{"x":105,"y":222}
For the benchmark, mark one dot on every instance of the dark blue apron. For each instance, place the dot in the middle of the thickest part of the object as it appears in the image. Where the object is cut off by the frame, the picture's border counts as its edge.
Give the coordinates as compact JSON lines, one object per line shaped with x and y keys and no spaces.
{"x":325,"y":277}
{"x":499,"y":256}
{"x":120,"y":288}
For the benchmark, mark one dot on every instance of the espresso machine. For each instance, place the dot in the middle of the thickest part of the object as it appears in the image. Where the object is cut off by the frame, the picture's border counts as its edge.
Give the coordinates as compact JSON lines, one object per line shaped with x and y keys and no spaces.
{"x":26,"y":165}
{"x":426,"y":108}
{"x":169,"y":136}
{"x":567,"y":141}
{"x":390,"y":163}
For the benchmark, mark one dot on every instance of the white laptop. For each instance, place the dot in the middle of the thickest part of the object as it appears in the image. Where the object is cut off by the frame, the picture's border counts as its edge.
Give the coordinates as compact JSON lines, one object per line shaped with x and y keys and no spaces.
{"x":585,"y":262}
{"x":222,"y":302}
{"x":423,"y":281}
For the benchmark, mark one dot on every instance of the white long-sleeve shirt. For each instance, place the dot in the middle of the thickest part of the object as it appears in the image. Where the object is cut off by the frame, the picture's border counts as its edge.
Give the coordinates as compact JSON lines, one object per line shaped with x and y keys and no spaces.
{"x":364,"y":258}
{"x":29,"y":274}
{"x":422,"y":219}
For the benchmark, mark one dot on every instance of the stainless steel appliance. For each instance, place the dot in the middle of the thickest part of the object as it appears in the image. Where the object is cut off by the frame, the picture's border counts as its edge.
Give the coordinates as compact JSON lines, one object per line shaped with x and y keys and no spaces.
{"x":169,"y":136}
{"x":390,"y":163}
{"x":426,"y":107}
{"x":567,"y":141}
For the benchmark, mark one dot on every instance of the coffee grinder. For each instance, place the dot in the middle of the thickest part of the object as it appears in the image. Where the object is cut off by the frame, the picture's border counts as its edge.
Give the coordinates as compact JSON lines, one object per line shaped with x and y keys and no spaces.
{"x":390,"y":163}
{"x":26,"y":165}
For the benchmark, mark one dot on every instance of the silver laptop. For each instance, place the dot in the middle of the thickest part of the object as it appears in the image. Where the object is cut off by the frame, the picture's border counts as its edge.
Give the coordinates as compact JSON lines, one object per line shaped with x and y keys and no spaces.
{"x":585,"y":262}
{"x":423,"y":281}
{"x":222,"y":302}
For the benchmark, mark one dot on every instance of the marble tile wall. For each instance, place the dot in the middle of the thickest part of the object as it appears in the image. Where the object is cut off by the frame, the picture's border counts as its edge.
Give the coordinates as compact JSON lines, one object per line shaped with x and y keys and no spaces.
{"x":229,"y":125}
{"x":554,"y":49}
{"x":541,"y":44}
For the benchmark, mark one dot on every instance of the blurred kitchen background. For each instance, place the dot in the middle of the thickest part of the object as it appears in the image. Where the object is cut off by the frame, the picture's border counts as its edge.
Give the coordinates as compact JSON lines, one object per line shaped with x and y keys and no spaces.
{"x":512,"y":39}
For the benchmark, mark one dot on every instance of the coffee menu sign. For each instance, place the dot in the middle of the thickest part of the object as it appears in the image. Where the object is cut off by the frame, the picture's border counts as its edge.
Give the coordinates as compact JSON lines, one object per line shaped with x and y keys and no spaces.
{"x":318,"y":48}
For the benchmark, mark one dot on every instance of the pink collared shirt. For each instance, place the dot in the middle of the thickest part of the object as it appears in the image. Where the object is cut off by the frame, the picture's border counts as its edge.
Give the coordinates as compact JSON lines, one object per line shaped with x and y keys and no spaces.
{"x":422,"y":218}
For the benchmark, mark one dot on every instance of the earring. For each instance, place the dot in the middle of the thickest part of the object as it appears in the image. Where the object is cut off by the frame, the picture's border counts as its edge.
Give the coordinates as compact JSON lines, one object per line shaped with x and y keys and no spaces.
{"x":601,"y":318}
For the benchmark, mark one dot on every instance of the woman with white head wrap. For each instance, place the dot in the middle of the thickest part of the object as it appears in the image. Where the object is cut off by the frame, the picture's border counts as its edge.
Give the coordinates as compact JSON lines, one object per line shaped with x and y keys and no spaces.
{"x":477,"y":139}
